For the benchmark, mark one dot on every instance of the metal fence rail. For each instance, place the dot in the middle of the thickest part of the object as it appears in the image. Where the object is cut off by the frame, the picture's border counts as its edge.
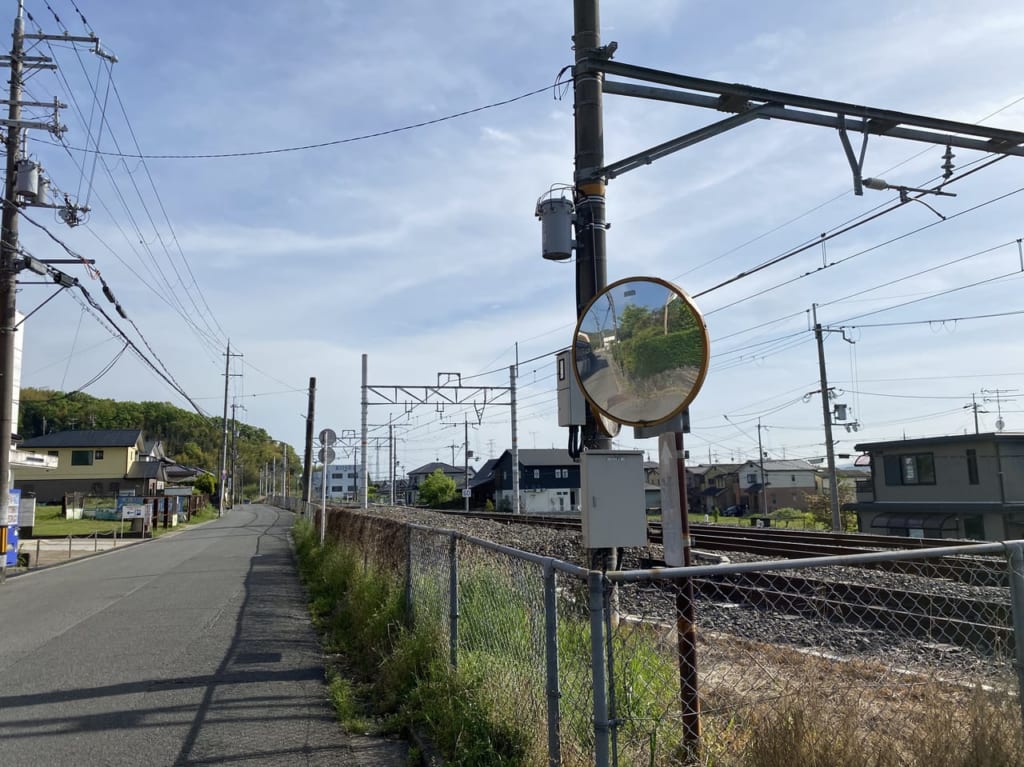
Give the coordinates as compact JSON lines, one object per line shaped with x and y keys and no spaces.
{"x":598,"y":680}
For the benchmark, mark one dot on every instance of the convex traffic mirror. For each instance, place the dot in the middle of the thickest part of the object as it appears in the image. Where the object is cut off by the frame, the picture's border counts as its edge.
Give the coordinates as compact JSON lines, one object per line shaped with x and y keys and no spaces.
{"x":641,"y":351}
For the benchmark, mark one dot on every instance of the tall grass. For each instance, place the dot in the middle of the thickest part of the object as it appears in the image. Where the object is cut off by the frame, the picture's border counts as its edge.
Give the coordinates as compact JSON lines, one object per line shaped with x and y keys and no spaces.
{"x":764,"y":706}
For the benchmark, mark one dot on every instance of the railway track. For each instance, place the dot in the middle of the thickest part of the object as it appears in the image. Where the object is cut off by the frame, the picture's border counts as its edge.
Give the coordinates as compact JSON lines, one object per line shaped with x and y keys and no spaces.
{"x":974,"y":615}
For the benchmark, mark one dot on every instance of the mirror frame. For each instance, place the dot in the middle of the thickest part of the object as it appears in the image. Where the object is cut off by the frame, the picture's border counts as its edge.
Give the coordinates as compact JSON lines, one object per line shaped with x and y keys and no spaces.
{"x":703,"y":368}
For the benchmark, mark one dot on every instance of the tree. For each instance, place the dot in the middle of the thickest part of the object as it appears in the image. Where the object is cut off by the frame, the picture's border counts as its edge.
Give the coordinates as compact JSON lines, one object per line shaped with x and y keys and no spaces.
{"x":204,"y":484}
{"x":437,"y":489}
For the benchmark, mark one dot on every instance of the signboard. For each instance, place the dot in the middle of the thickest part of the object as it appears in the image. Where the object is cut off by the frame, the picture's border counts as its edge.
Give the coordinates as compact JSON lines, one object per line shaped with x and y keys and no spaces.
{"x":135,"y":511}
{"x":11,"y":553}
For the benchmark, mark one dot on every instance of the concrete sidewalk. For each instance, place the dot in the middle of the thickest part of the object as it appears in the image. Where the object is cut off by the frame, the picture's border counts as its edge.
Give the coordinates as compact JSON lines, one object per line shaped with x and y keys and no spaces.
{"x":44,"y":552}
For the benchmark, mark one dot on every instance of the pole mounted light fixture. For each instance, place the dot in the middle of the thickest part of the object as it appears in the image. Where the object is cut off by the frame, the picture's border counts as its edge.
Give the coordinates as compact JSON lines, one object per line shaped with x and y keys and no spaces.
{"x":881,"y":185}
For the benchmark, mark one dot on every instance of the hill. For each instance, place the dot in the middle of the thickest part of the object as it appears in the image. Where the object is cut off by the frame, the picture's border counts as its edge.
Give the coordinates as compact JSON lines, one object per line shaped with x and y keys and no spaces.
{"x":187,"y":437}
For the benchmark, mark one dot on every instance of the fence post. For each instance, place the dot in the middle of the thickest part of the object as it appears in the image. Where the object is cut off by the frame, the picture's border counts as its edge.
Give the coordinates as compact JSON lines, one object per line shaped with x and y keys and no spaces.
{"x":596,"y":601}
{"x":1015,"y":562}
{"x":453,"y":599}
{"x":554,"y":692}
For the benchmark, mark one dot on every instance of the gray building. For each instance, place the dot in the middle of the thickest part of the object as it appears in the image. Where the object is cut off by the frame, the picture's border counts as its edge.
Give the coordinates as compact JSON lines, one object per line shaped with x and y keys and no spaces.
{"x":965,"y":486}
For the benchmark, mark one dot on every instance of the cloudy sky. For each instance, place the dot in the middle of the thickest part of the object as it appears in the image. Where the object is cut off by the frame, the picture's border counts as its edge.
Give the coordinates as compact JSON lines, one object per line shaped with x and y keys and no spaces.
{"x":418,"y":245}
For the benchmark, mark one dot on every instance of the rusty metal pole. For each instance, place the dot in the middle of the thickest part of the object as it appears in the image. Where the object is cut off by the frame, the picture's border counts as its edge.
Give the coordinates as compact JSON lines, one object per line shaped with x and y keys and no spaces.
{"x":686,"y":624}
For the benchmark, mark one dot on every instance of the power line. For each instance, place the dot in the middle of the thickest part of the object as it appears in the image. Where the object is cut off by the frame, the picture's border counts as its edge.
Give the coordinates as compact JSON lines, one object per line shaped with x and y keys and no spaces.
{"x":334,"y":142}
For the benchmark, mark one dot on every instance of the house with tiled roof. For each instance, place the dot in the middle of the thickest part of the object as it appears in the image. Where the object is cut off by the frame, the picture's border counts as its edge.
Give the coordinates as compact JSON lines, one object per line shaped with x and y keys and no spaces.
{"x":549,"y":482}
{"x":420,"y":473}
{"x":93,"y":461}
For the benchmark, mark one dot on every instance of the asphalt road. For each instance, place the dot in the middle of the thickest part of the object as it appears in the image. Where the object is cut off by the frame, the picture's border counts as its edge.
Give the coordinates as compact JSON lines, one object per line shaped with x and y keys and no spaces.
{"x":193,"y":648}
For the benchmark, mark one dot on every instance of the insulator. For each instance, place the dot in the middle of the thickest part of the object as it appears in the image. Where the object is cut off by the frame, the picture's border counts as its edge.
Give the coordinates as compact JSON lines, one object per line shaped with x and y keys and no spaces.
{"x":120,"y":311}
{"x":107,"y":292}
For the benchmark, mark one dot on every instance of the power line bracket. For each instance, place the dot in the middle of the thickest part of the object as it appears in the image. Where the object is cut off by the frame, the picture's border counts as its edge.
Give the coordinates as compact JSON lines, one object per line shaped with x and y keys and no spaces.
{"x":856,"y":163}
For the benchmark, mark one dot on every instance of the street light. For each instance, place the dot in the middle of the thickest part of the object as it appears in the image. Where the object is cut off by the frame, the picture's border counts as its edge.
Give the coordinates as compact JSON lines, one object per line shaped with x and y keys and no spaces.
{"x":881,"y":185}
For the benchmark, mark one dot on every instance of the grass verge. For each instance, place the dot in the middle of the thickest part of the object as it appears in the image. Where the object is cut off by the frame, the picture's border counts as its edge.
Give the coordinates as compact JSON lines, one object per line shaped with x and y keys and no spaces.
{"x":385,"y":677}
{"x":764,"y":705}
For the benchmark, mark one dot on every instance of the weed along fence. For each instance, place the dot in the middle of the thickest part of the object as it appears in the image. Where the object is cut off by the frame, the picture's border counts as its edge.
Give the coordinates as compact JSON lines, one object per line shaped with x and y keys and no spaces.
{"x":865,"y":659}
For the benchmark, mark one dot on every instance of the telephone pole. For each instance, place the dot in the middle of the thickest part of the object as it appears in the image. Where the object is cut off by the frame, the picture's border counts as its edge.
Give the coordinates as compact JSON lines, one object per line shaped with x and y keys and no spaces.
{"x":830,"y":455}
{"x":8,"y":269}
{"x":307,"y":463}
{"x":764,"y":481}
{"x":16,"y":193}
{"x":223,"y":473}
{"x":234,"y":450}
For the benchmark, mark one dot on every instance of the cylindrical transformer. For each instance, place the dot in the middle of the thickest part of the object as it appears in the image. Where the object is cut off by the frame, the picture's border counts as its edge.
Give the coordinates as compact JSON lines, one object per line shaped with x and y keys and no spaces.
{"x":43,"y":191}
{"x":27,"y":181}
{"x":555,"y":216}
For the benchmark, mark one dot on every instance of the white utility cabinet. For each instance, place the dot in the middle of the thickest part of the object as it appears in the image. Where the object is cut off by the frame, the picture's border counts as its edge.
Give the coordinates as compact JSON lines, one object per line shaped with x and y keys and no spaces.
{"x":614,"y":508}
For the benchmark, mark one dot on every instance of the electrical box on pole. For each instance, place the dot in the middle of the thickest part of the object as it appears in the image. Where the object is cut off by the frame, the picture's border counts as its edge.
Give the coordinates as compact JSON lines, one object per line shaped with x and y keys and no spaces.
{"x":614,"y":511}
{"x":572,"y":405}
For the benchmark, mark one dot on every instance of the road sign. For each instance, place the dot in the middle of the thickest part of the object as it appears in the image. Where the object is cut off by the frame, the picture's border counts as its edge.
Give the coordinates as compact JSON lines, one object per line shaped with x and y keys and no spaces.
{"x":328,"y":437}
{"x":327,"y":454}
{"x":467,"y":493}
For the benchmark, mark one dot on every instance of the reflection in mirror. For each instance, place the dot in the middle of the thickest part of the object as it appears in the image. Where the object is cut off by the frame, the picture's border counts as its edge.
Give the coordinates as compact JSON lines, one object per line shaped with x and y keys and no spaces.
{"x":641,"y":351}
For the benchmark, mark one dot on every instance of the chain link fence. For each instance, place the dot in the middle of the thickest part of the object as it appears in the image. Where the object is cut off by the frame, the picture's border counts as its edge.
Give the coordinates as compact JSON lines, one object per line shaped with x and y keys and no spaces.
{"x":895,"y":658}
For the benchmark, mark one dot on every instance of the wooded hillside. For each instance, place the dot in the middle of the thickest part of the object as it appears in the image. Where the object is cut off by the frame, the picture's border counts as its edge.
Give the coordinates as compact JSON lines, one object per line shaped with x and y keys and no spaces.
{"x":187,"y":437}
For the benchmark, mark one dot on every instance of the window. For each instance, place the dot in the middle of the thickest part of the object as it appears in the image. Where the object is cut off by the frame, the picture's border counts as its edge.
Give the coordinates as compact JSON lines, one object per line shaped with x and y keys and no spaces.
{"x":751,"y":478}
{"x":917,"y":469}
{"x":81,"y":457}
{"x":972,"y":467}
{"x":337,"y":489}
{"x":536,"y":473}
{"x":54,"y":453}
{"x":98,"y":455}
{"x":792,"y":477}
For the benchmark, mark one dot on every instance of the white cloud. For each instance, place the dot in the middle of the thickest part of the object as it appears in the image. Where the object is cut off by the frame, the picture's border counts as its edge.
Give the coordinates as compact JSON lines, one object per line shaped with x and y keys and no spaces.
{"x":420,"y":248}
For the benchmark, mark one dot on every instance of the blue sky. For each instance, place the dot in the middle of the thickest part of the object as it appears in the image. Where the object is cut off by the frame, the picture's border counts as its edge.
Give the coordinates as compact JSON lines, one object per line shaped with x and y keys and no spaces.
{"x":420,"y":248}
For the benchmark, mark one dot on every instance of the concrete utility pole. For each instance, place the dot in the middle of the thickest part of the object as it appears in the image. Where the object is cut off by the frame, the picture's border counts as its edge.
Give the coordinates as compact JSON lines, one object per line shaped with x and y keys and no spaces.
{"x":364,"y":497}
{"x":764,"y":480}
{"x":234,"y":449}
{"x":826,"y":412}
{"x":8,"y":269}
{"x":284,"y":470}
{"x":515,"y":441}
{"x":307,"y":463}
{"x":223,"y":473}
{"x":15,"y":127}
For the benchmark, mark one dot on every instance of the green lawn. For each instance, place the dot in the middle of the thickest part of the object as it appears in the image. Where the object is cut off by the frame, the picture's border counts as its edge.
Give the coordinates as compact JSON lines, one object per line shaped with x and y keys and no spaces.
{"x":50,"y":524}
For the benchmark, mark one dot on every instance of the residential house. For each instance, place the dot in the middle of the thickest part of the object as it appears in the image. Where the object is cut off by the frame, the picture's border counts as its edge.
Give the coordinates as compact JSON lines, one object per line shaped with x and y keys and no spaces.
{"x":766,"y":486}
{"x":717,"y":486}
{"x":482,"y":486}
{"x":963,"y":486}
{"x":417,"y":475}
{"x":93,"y":461}
{"x":549,"y":482}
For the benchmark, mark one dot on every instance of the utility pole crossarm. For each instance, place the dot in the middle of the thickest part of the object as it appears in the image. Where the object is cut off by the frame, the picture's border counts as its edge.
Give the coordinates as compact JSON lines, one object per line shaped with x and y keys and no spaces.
{"x":736,"y":97}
